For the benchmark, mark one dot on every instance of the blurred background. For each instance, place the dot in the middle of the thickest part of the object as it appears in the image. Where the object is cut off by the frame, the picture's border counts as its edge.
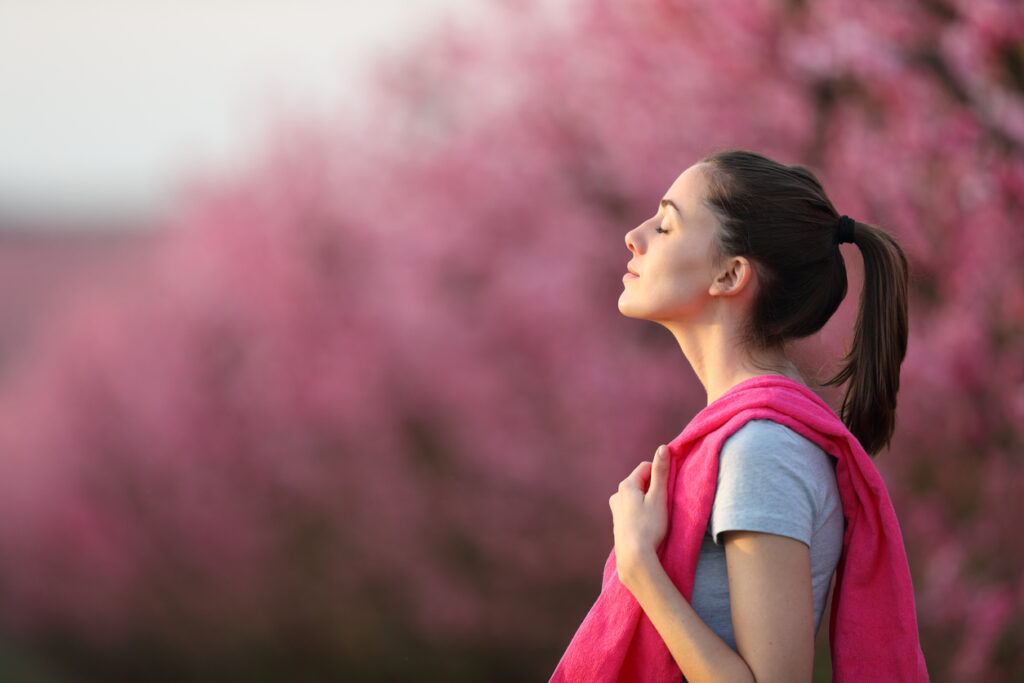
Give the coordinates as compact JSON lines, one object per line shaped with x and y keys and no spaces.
{"x":310,"y":364}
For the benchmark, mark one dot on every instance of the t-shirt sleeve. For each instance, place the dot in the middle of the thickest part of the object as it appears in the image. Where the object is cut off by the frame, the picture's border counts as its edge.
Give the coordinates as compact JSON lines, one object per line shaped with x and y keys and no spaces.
{"x":765,"y":483}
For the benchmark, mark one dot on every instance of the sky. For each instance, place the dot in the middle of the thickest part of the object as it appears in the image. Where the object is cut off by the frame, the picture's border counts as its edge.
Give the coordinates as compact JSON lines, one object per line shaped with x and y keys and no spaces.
{"x":105,"y":105}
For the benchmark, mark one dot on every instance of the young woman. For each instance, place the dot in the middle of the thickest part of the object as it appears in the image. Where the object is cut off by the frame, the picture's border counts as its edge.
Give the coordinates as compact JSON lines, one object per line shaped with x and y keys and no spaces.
{"x":726,"y":544}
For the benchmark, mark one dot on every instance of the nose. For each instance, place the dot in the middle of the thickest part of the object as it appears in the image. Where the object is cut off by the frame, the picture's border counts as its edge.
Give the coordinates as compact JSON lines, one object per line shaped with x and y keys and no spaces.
{"x":634,"y":240}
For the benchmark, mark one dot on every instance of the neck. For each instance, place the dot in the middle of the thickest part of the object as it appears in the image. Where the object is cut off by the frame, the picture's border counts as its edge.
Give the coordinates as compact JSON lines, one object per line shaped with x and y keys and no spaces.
{"x":721,"y":361}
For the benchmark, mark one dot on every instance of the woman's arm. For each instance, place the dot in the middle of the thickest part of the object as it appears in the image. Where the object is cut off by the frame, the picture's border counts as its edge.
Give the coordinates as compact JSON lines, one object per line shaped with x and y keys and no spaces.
{"x":769,"y":586}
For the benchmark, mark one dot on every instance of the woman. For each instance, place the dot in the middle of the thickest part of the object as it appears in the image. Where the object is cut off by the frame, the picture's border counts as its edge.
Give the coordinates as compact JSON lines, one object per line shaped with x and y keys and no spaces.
{"x":726,"y":544}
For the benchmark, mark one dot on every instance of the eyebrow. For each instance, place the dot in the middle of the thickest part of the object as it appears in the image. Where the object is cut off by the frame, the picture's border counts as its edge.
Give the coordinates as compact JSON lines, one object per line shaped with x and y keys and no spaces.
{"x":669,"y":202}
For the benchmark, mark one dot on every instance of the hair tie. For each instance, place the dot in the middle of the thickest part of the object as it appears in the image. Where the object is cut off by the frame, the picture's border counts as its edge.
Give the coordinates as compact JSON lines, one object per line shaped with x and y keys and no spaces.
{"x":845,"y":229}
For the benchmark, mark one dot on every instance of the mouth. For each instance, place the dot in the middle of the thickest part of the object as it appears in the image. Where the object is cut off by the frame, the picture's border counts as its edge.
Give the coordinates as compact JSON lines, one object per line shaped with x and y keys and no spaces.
{"x":630,"y":273}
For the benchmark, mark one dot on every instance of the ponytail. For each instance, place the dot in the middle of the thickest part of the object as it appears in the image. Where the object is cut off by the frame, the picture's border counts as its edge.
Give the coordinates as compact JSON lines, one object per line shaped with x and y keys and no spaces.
{"x":780,"y":217}
{"x":872,"y":365}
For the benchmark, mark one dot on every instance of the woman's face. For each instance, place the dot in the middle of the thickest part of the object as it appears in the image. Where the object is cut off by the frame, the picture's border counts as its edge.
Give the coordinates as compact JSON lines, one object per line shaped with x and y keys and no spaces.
{"x":671,"y":271}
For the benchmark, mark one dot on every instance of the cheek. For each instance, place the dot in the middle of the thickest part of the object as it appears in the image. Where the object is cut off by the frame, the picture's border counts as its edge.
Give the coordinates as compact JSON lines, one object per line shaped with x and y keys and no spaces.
{"x":681,"y":283}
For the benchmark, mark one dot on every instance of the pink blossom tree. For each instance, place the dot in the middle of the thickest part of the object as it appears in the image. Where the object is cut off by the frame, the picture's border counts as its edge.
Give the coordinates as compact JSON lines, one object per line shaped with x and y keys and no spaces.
{"x":358,"y":413}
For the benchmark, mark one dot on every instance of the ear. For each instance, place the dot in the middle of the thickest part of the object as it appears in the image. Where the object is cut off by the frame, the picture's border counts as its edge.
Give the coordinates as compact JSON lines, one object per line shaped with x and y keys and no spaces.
{"x":733,"y":277}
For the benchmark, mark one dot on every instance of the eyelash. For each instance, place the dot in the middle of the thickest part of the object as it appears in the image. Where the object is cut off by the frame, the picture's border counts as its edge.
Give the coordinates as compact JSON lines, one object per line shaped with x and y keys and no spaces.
{"x":660,"y":229}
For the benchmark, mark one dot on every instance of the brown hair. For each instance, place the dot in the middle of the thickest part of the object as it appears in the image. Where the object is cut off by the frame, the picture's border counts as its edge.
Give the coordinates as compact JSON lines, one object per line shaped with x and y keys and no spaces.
{"x":780,"y":218}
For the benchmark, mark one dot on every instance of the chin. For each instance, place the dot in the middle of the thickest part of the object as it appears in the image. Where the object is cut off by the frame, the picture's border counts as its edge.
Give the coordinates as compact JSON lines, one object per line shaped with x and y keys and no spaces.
{"x":630,"y":312}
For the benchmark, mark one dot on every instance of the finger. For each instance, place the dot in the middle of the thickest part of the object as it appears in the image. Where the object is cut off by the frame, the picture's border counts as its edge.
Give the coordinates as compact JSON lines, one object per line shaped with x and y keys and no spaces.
{"x":638,"y":478}
{"x":659,"y":474}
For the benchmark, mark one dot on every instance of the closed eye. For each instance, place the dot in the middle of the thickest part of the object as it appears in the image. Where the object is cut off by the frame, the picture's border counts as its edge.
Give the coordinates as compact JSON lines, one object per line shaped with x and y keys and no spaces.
{"x":660,"y":229}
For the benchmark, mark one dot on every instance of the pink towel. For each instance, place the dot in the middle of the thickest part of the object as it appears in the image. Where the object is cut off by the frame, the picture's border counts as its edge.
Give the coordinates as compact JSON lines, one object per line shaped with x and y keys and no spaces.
{"x":873,"y":626}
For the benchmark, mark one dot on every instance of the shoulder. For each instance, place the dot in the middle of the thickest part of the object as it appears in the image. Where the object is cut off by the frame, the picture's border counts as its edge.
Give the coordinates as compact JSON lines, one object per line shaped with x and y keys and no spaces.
{"x":771,"y":479}
{"x":770,"y":446}
{"x":762,"y":432}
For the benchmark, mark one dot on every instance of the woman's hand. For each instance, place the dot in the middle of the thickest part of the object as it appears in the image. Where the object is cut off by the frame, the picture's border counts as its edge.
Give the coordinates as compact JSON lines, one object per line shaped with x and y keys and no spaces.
{"x":640,"y":516}
{"x":772,"y":606}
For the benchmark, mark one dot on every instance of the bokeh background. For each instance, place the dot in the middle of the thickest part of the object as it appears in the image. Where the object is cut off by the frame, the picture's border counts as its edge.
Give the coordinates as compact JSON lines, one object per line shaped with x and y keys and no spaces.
{"x":351,"y":408}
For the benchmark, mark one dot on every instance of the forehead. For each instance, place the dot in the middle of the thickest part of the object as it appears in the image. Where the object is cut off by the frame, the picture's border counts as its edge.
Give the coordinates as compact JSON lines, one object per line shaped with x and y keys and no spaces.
{"x":688,"y":191}
{"x":689,"y":180}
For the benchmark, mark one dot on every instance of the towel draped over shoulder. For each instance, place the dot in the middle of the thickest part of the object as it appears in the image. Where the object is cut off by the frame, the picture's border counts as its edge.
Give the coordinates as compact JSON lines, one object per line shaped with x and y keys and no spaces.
{"x":873,"y":625}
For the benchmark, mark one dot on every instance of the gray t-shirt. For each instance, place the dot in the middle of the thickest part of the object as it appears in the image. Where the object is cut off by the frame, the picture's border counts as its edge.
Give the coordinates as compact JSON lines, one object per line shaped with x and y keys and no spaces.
{"x":772,"y":480}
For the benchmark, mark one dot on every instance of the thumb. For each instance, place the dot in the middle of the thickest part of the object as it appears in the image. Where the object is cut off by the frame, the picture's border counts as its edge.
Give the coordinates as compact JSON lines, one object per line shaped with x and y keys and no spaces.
{"x":659,"y":474}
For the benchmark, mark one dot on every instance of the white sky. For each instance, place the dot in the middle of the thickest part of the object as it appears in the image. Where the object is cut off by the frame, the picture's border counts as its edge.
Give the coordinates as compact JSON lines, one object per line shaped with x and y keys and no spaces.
{"x":105,"y":104}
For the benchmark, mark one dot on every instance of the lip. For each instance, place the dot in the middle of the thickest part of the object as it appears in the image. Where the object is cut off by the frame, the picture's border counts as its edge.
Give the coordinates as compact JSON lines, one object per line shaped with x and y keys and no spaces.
{"x":630,"y":276}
